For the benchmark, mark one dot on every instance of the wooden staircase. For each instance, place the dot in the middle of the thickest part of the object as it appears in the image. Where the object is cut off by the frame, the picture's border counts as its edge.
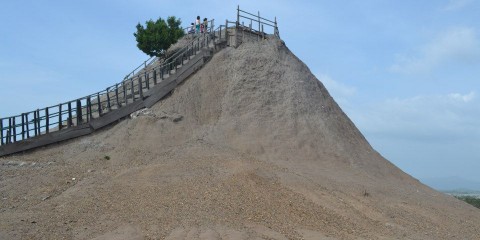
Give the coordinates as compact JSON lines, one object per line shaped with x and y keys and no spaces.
{"x":101,"y":109}
{"x":138,"y":90}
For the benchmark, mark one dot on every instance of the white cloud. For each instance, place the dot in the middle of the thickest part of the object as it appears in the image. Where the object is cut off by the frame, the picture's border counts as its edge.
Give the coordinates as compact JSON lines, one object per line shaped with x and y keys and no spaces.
{"x":454,"y":5}
{"x":435,"y":117}
{"x":425,"y":135}
{"x":465,"y":98}
{"x":456,"y":45}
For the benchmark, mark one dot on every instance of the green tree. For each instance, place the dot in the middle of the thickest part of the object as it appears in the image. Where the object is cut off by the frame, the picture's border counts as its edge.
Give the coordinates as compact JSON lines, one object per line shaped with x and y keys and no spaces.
{"x":157,"y":36}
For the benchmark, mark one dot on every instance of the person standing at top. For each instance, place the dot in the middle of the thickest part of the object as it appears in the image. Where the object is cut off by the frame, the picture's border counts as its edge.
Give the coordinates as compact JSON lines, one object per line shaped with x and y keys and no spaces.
{"x":205,"y":25}
{"x":197,"y":24}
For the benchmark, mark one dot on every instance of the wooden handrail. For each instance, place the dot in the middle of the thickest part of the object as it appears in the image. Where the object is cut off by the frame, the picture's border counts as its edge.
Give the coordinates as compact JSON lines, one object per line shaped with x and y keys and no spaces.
{"x":128,"y":91}
{"x":258,"y":19}
{"x":92,"y":106}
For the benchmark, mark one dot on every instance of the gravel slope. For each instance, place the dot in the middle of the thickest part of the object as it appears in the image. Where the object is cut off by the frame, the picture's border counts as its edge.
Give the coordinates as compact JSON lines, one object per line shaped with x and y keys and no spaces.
{"x":250,"y":147}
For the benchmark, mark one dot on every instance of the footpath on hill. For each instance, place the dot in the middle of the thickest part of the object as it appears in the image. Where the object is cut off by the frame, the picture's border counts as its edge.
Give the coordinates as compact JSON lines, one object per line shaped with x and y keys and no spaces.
{"x":252,"y":146}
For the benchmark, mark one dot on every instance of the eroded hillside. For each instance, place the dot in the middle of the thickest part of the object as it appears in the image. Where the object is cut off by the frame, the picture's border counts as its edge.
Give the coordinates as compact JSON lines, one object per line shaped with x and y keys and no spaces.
{"x":250,"y":147}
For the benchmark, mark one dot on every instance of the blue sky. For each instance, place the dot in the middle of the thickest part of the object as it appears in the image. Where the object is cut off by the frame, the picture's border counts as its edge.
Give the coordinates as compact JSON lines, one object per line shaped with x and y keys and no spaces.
{"x":406,"y":72}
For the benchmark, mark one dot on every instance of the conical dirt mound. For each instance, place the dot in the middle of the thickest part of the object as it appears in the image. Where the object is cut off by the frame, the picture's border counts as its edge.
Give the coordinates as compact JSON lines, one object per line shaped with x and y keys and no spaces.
{"x":250,"y":147}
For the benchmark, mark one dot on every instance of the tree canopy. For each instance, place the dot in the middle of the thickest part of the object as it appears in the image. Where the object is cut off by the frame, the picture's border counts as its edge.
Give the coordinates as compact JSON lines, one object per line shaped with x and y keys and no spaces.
{"x":157,"y":36}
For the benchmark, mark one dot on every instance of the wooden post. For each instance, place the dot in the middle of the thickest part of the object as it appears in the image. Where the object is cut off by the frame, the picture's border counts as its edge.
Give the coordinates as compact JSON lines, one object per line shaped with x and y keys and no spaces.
{"x":147,"y":80}
{"x":9,"y":132}
{"x":38,"y":122}
{"x":132,"y":90}
{"x":124,"y":93}
{"x":9,"y":137}
{"x":1,"y":131}
{"x":226,"y":33}
{"x":59,"y":117}
{"x":109,"y":106}
{"x":258,"y":23}
{"x":14,"y":130}
{"x":116,"y":95}
{"x":193,"y":49}
{"x":154,"y":77}
{"x":28,"y":125}
{"x":89,"y":109}
{"x":79,"y":112}
{"x":47,"y":121}
{"x":140,"y":88}
{"x":35,"y":122}
{"x":275,"y":31}
{"x":99,"y":105}
{"x":69,"y":120}
{"x":238,"y":16}
{"x":23,"y":126}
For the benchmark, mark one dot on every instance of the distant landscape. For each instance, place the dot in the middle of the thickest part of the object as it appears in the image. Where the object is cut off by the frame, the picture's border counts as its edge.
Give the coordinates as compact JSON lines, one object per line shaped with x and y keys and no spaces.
{"x":472,"y":200}
{"x":453,"y":184}
{"x":463,"y":189}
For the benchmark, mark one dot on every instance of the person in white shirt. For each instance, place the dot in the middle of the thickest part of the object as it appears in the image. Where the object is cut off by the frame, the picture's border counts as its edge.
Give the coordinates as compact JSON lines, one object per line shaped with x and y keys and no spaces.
{"x":197,"y":24}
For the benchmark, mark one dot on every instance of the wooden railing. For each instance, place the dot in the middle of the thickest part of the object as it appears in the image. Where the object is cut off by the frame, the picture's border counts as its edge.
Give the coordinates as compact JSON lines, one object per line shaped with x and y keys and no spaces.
{"x":146,"y":63}
{"x":81,"y":111}
{"x":257,"y":23}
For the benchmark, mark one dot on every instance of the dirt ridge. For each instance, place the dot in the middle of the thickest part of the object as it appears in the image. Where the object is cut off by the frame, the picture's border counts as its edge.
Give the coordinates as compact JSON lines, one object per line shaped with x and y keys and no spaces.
{"x":250,"y":147}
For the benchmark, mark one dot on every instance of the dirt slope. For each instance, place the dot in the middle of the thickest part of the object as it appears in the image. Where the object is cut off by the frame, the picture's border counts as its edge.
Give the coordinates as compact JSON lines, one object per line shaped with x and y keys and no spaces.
{"x":251,"y":147}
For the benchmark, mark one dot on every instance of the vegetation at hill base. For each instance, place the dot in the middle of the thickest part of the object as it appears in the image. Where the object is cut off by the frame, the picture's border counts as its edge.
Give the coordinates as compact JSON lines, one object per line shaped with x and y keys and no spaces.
{"x":156,"y":36}
{"x":470,"y":200}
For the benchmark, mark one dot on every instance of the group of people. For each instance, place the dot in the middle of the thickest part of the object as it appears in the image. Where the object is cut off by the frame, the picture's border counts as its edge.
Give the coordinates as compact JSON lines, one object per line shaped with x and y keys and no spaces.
{"x":199,"y":27}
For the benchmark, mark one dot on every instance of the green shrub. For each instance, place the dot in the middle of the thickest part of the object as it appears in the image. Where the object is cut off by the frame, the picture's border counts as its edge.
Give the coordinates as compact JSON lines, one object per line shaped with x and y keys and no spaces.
{"x":470,"y":200}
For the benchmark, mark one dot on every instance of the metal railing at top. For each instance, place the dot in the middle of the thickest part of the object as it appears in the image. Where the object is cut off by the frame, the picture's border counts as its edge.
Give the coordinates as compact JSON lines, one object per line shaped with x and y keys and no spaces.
{"x":83,"y":110}
{"x":260,"y":22}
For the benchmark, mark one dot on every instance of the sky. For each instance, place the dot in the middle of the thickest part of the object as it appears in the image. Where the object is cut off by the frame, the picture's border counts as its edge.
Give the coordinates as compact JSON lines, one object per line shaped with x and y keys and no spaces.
{"x":407,"y":73}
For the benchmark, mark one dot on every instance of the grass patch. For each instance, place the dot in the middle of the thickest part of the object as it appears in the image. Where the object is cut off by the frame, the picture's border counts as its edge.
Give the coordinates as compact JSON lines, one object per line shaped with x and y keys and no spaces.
{"x":470,"y":200}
